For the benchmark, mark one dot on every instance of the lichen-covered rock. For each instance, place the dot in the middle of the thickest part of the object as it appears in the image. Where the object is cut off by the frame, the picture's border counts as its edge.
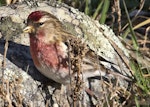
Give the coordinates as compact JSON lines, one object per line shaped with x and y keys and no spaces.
{"x":21,"y":84}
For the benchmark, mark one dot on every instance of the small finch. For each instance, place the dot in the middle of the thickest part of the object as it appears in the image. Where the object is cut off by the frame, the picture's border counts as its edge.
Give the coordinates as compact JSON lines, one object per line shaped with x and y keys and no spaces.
{"x":54,"y":51}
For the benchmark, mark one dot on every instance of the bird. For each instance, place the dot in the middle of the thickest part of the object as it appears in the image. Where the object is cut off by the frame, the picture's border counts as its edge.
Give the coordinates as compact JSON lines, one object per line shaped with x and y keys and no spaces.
{"x":58,"y":54}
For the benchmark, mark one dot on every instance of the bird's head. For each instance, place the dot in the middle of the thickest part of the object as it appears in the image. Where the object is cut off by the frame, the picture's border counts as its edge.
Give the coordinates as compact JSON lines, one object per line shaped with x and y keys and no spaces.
{"x":41,"y":23}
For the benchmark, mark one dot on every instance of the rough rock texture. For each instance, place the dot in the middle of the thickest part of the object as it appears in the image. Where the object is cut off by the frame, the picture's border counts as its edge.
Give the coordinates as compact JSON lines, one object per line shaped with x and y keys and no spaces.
{"x":21,"y":82}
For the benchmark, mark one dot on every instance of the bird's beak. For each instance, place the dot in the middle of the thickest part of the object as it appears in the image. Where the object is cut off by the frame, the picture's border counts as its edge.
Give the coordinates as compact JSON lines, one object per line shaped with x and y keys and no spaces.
{"x":29,"y":29}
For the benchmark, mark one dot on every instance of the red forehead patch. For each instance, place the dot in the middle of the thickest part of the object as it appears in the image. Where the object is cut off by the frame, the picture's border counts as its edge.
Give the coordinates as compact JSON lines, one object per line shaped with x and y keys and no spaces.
{"x":35,"y":16}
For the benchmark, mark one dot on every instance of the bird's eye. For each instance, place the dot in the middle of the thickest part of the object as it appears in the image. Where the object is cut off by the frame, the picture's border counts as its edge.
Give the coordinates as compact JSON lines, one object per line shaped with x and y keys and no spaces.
{"x":41,"y":23}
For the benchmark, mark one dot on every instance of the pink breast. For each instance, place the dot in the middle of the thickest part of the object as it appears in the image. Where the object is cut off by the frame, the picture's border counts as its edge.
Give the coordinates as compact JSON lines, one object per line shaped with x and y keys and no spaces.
{"x":47,"y":54}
